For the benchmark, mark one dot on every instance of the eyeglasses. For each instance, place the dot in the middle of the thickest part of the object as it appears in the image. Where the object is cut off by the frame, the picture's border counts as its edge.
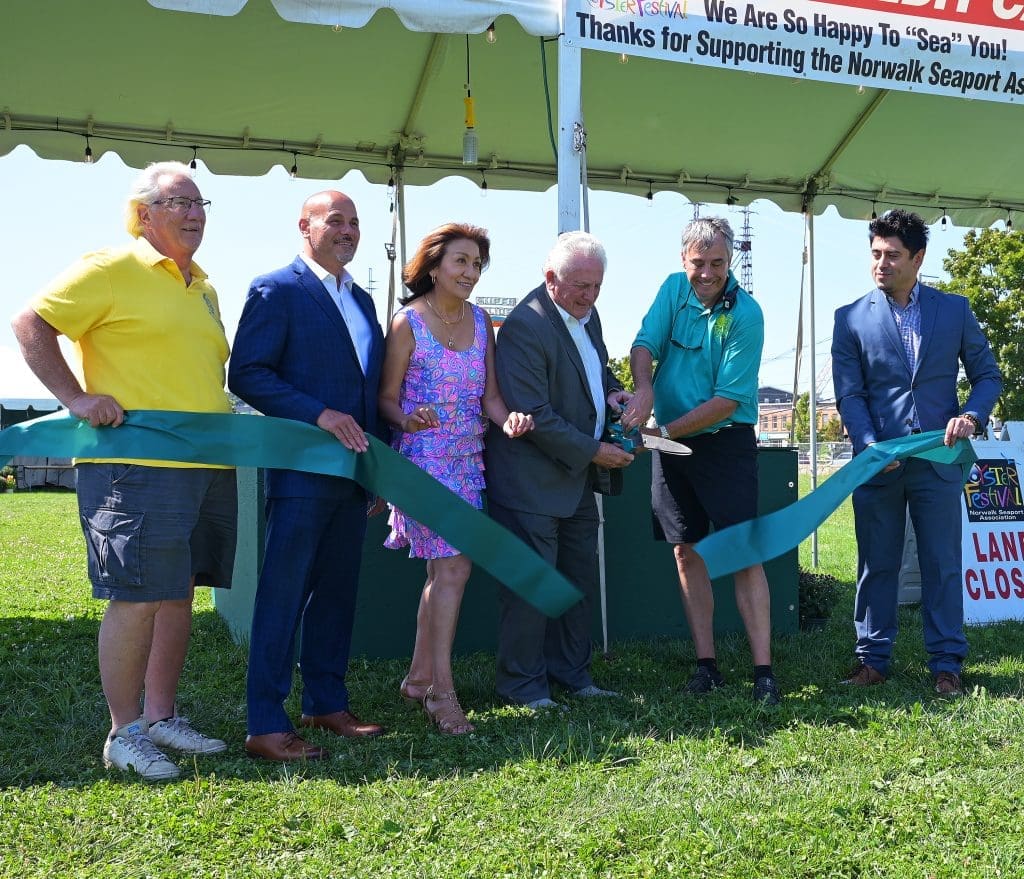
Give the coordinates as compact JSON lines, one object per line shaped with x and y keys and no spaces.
{"x":182,"y":204}
{"x":697,"y":329}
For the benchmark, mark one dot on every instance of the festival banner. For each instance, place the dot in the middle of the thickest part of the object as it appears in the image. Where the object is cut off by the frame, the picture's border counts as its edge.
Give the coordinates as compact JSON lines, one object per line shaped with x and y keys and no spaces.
{"x":993,"y":541}
{"x":959,"y":48}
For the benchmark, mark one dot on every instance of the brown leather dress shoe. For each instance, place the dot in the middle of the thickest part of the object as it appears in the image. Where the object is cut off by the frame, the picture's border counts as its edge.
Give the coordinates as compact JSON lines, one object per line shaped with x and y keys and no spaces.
{"x":864,"y":676}
{"x":947,"y":683}
{"x":342,"y":723}
{"x":282,"y":747}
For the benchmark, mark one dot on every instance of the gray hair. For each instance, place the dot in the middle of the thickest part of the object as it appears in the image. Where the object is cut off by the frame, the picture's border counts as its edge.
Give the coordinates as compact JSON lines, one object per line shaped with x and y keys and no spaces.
{"x":146,"y":187}
{"x":702,"y":231}
{"x":571,"y":245}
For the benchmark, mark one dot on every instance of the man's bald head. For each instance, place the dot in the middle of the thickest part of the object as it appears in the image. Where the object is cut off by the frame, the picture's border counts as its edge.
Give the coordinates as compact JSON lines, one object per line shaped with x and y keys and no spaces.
{"x":329,"y":225}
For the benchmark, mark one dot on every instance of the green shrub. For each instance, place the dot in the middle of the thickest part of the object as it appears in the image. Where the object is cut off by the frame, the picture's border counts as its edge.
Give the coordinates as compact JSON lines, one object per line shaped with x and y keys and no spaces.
{"x":818,"y":593}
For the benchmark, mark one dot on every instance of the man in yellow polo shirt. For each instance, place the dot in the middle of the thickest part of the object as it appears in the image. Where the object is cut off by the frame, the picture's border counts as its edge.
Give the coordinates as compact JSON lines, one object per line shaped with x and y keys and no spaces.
{"x":147,"y":334}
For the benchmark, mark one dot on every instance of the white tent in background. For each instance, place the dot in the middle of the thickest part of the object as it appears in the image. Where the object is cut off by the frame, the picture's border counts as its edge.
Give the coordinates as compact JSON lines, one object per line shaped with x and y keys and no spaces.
{"x":331,"y":85}
{"x":860,"y":104}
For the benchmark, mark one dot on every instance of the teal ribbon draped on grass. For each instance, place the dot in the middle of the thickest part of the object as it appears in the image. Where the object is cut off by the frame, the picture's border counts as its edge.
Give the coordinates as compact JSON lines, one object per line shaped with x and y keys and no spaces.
{"x":253,"y":441}
{"x":768,"y":536}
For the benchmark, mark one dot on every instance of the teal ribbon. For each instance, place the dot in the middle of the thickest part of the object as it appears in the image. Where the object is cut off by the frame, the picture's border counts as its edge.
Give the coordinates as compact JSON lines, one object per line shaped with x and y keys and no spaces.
{"x":758,"y":540}
{"x":254,"y":441}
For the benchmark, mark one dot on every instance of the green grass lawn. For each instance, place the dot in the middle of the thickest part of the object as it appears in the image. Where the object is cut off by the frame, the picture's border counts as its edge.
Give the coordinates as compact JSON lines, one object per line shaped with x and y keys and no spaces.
{"x":887,"y":782}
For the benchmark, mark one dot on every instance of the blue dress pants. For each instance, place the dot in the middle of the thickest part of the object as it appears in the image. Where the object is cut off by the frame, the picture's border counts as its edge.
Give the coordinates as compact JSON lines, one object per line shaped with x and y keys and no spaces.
{"x":309,"y":579}
{"x":880,"y":512}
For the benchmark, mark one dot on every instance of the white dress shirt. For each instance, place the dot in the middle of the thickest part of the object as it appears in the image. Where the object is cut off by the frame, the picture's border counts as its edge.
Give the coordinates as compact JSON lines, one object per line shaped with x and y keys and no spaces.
{"x":591,"y":363}
{"x":340,"y":290}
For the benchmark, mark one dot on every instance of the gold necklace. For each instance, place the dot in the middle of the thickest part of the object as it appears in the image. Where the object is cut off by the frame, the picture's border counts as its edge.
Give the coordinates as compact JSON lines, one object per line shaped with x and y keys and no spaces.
{"x":448,"y":323}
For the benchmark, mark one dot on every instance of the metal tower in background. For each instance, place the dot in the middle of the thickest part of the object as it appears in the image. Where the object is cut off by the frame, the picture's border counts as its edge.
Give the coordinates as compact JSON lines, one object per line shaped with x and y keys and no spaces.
{"x":744,"y":247}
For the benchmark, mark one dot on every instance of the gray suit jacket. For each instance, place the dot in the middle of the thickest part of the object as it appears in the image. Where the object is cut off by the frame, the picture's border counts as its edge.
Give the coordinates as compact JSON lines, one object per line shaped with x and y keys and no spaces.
{"x":540,"y":372}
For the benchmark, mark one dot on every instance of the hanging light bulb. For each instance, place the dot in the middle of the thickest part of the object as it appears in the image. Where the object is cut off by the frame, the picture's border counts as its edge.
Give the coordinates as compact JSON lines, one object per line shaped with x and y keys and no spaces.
{"x":730,"y":199}
{"x":623,"y":58}
{"x":1009,"y":222}
{"x":192,"y":164}
{"x":943,"y":219}
{"x":492,"y":37}
{"x":860,"y":89}
{"x":293,"y":172}
{"x":391,"y":192}
{"x":650,"y":193}
{"x":470,"y":145}
{"x":874,"y":213}
{"x":483,"y":185}
{"x":88,"y":151}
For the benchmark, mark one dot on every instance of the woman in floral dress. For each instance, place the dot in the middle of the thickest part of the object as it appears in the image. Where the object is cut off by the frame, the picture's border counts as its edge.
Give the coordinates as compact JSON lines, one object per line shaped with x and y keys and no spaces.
{"x":438,"y":390}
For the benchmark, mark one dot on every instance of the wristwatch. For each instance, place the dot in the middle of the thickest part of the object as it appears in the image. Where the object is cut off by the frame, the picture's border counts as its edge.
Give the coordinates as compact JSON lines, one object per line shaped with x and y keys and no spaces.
{"x":974,"y":420}
{"x":663,"y":431}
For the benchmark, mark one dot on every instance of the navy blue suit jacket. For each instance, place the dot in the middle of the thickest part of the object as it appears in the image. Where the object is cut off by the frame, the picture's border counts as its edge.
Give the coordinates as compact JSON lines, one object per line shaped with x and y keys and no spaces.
{"x":293,"y":357}
{"x":876,"y":393}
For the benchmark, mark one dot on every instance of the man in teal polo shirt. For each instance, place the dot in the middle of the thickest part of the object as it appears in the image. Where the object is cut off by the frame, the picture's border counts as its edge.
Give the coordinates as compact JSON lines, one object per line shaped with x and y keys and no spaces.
{"x":706,"y":333}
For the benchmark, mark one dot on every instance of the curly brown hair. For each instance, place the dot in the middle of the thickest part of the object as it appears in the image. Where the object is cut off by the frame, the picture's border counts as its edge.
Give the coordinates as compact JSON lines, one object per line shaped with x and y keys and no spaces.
{"x":428,"y":256}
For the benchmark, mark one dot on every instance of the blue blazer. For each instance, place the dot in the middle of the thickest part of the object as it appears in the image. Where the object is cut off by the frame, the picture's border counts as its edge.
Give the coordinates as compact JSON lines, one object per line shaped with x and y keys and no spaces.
{"x":876,"y":393}
{"x":293,"y":357}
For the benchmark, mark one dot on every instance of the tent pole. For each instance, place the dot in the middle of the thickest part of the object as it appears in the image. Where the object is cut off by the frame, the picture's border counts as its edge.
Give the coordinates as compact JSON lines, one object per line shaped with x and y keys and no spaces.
{"x":601,"y":567}
{"x":814,"y":371}
{"x":798,"y":359}
{"x":390,"y":249}
{"x":400,"y":184}
{"x":569,"y":115}
{"x":571,"y":179}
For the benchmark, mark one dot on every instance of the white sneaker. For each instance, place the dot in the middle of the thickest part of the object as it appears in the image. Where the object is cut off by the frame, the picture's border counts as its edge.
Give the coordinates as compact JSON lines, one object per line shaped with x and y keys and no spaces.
{"x":545,"y":705}
{"x":177,"y":733}
{"x":132,"y":748}
{"x":594,"y":691}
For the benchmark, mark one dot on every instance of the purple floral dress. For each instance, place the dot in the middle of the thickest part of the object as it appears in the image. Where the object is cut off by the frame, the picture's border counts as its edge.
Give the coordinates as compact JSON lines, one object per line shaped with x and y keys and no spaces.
{"x":452,"y":382}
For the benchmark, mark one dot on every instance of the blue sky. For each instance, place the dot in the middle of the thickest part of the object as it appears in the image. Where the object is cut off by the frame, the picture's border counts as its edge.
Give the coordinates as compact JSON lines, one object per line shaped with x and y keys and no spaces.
{"x":56,"y":211}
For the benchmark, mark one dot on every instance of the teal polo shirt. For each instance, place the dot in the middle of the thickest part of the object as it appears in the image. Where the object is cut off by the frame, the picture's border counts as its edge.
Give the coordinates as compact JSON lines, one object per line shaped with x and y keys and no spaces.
{"x":718,"y":350}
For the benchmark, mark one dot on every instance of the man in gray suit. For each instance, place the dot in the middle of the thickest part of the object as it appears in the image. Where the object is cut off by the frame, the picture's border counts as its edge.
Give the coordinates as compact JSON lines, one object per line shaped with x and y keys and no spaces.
{"x":551,"y":362}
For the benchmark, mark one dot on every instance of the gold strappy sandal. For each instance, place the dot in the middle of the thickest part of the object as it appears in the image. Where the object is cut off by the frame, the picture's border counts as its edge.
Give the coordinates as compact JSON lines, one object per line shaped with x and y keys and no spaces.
{"x":407,"y":696}
{"x":445,"y":713}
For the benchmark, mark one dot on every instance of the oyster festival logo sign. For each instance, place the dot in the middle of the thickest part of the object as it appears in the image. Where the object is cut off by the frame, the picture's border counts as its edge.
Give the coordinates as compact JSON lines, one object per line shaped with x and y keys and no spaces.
{"x":993,"y":542}
{"x":992,"y":492}
{"x":959,"y":48}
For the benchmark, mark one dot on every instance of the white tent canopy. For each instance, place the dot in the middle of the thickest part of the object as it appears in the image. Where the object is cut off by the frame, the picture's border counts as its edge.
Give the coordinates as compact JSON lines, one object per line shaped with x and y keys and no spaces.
{"x":537,"y":17}
{"x":331,"y":85}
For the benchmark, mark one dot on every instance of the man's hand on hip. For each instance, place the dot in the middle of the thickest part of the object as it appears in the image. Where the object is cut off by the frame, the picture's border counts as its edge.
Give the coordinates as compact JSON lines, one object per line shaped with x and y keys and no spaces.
{"x":97,"y":409}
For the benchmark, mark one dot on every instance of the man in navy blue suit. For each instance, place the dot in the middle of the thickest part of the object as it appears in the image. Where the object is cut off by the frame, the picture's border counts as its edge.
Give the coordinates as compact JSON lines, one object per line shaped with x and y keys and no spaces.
{"x":309,"y":347}
{"x":896,"y":353}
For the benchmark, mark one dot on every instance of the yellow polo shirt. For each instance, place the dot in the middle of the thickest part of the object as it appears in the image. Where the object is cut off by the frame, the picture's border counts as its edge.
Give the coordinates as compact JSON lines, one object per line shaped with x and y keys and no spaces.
{"x":140,"y":334}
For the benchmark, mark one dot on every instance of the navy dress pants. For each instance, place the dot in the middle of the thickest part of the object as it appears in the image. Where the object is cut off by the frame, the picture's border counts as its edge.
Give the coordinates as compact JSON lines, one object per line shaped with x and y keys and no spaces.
{"x":309,"y":579}
{"x":880,"y":513}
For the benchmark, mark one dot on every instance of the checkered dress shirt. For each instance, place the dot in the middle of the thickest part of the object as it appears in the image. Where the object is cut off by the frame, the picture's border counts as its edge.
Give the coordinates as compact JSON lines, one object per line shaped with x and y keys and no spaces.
{"x":908,"y":325}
